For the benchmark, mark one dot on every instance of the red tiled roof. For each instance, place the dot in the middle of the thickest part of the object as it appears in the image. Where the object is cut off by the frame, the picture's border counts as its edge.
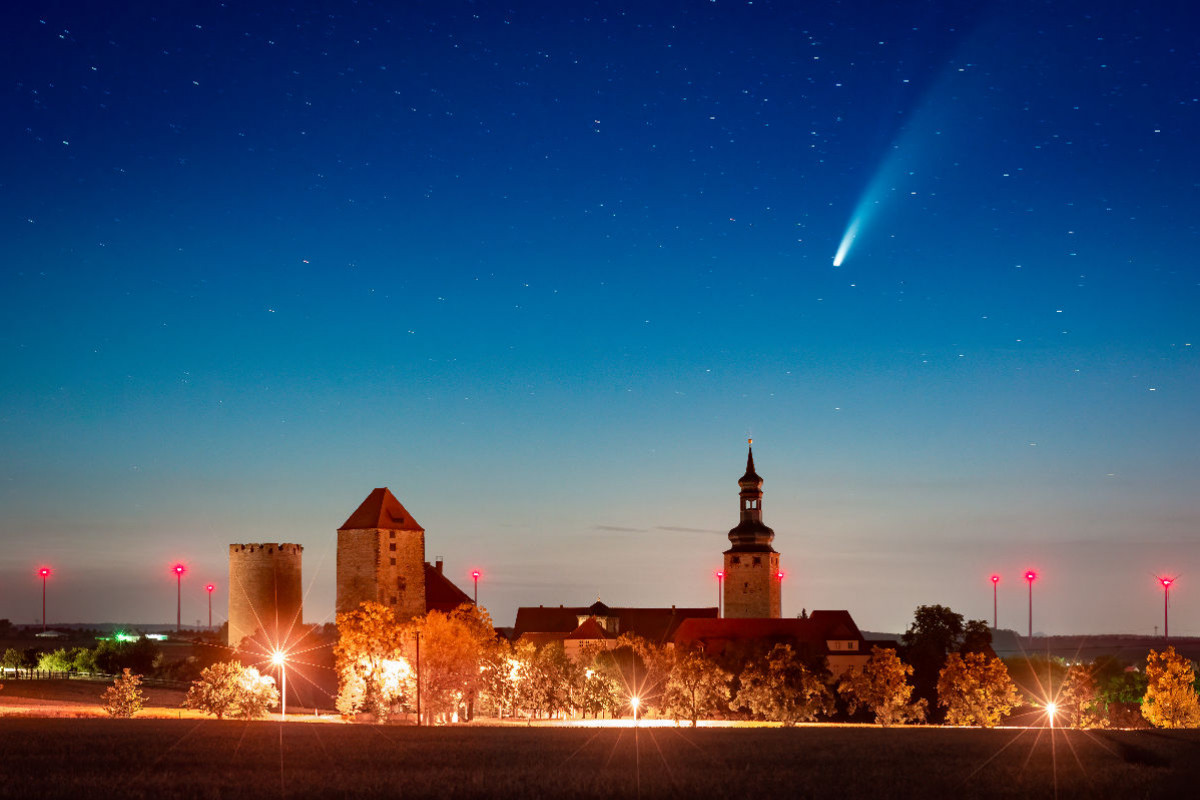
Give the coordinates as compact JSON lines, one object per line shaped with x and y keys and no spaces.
{"x":590,"y":629}
{"x":540,"y":639}
{"x":382,"y":510}
{"x":440,"y":593}
{"x":653,"y":624}
{"x":816,"y":630}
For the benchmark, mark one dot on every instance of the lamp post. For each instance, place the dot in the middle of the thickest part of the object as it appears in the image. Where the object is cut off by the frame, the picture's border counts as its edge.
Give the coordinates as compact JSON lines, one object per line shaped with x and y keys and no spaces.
{"x":1051,"y":710}
{"x":635,"y":702}
{"x":44,"y":573}
{"x":1030,"y":576}
{"x":475,"y":576}
{"x":209,"y":588}
{"x":1166,"y":584}
{"x":995,"y":614}
{"x":279,"y":660}
{"x":720,"y":593}
{"x":178,"y":569}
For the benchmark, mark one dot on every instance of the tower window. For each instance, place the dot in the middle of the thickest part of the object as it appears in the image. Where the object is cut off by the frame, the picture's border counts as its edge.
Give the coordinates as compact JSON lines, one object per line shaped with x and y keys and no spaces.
{"x":391,"y":534}
{"x":735,"y":560}
{"x":392,"y":547}
{"x":757,"y":561}
{"x":392,"y":561}
{"x":393,"y":600}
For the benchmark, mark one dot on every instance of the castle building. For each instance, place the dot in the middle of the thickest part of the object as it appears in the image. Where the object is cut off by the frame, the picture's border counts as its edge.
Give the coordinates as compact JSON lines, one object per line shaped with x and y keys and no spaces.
{"x":753,"y":581}
{"x":265,"y":593}
{"x":381,"y":558}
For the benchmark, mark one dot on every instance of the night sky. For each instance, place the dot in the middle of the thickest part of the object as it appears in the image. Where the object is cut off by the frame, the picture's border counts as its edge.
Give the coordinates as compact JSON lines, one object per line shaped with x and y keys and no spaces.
{"x":541,"y":270}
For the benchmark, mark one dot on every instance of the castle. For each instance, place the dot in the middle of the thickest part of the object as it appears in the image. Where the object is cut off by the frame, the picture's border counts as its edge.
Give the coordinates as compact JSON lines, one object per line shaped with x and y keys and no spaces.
{"x":381,"y":558}
{"x":265,"y":592}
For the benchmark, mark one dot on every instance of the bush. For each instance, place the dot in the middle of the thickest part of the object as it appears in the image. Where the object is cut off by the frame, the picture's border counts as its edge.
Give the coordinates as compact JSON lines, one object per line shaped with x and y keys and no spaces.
{"x":56,"y":661}
{"x":124,"y":698}
{"x":229,"y":689}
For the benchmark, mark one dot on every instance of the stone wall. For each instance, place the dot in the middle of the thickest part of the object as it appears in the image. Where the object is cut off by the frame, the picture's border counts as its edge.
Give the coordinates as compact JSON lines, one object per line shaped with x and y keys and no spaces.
{"x":384,"y":566}
{"x":266,"y":591}
{"x":752,"y":590}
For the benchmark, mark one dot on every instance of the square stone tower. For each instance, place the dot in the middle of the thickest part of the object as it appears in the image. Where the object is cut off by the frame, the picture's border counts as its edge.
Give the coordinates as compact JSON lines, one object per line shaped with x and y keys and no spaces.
{"x":753,"y":580}
{"x":381,"y":557}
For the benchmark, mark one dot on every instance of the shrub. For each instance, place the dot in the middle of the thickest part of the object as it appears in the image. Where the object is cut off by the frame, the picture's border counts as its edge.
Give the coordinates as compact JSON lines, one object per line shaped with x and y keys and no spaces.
{"x":229,"y":689}
{"x":124,"y":698}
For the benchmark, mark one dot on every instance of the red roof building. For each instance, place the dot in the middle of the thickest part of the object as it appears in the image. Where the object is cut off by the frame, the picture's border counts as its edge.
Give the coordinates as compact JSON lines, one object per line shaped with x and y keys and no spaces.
{"x":831,"y":633}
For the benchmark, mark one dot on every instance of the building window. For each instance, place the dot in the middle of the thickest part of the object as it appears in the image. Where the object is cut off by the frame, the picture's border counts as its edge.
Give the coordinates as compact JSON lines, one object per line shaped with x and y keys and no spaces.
{"x":746,"y":588}
{"x":391,"y":534}
{"x":851,"y":645}
{"x":757,"y":561}
{"x":392,"y":561}
{"x":393,"y":600}
{"x":392,"y":547}
{"x":735,"y":560}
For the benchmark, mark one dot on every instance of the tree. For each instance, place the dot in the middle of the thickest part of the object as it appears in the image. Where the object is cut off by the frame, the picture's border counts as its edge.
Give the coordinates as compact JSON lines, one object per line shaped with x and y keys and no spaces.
{"x":881,"y":685}
{"x":56,"y":661}
{"x":1170,"y":700}
{"x":644,"y":669}
{"x":124,"y":698}
{"x":453,"y":649}
{"x":599,"y":686}
{"x":975,"y":689}
{"x":781,"y":688}
{"x":141,"y":656}
{"x":12,"y":659}
{"x":935,"y":632}
{"x":696,"y":686}
{"x":369,"y":658}
{"x":227,"y":689}
{"x":1079,"y":704}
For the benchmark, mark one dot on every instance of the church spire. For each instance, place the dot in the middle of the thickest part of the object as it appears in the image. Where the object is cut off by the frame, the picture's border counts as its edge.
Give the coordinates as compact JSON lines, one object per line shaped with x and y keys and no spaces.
{"x":750,"y":532}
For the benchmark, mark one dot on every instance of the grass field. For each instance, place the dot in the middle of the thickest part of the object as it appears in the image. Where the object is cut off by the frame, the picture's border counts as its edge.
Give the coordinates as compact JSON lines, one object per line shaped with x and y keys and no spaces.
{"x":207,"y":759}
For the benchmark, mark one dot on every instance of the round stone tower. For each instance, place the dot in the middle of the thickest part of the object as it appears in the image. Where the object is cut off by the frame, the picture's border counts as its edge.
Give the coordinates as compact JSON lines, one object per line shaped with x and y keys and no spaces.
{"x":265,"y":592}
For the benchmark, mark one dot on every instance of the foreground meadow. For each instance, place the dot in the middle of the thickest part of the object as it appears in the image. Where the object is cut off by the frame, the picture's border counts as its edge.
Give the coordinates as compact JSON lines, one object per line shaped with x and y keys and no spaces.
{"x":72,"y":758}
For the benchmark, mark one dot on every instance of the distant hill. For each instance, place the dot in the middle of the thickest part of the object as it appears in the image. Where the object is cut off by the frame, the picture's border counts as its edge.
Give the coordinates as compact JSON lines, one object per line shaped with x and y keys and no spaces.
{"x":1125,"y":646}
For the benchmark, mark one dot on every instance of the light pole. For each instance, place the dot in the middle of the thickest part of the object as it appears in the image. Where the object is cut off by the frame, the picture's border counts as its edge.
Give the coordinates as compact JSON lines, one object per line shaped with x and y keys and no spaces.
{"x":995,"y":614}
{"x":279,"y":660}
{"x":209,"y":588}
{"x":635,"y":702}
{"x":1030,"y":576}
{"x":720,"y":593}
{"x":178,"y":569}
{"x":475,"y":575}
{"x":1166,"y":584}
{"x":44,"y":572}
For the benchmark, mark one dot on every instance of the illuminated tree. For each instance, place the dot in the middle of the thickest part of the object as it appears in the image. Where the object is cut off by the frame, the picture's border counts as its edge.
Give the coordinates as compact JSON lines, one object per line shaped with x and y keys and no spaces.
{"x":644,"y":667}
{"x":1170,"y":700}
{"x":935,"y":632}
{"x":543,"y":679}
{"x":881,"y":685}
{"x":454,"y":647}
{"x":1079,"y":702}
{"x":696,"y":686}
{"x":227,"y":689}
{"x":975,"y":689}
{"x":12,"y":659}
{"x":782,"y":688}
{"x":369,"y":659}
{"x":56,"y":661}
{"x":598,"y":687}
{"x":124,"y":698}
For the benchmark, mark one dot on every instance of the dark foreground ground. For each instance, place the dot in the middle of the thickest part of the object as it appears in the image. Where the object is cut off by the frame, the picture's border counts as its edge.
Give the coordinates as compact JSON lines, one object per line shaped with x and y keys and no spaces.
{"x":81,"y":758}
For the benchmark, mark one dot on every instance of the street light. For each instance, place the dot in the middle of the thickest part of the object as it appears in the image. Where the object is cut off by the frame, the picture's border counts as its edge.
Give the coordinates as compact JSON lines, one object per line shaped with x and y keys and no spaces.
{"x":635,"y":702}
{"x":995,"y":614}
{"x":1051,"y":710}
{"x":1030,"y":576}
{"x":720,"y":593}
{"x":209,"y":588}
{"x":279,"y":659}
{"x":44,"y":572}
{"x":475,"y":575}
{"x":178,"y":569}
{"x":1166,"y":584}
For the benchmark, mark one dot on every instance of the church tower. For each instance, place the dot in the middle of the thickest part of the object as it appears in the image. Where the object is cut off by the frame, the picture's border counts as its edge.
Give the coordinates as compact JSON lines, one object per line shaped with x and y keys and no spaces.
{"x":752,"y":576}
{"x":381,"y":557}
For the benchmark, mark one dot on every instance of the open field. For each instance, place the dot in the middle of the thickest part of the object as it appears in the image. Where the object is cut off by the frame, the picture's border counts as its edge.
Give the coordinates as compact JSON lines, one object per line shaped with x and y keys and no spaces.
{"x":203,"y":758}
